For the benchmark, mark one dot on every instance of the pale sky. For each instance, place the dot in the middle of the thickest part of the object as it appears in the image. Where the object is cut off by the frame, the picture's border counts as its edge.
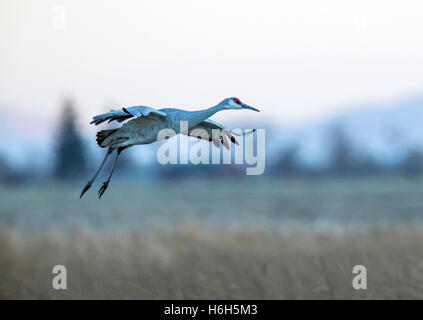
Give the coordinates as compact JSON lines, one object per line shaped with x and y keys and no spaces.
{"x":295,"y":60}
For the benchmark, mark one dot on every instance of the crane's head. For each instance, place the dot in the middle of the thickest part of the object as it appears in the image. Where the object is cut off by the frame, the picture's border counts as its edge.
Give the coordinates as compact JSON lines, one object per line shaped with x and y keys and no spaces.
{"x":235,"y":103}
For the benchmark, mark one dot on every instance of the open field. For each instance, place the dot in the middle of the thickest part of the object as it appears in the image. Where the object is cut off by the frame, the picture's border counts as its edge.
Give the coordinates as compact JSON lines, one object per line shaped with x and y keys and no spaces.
{"x":195,"y":263}
{"x":219,"y":239}
{"x":235,"y":204}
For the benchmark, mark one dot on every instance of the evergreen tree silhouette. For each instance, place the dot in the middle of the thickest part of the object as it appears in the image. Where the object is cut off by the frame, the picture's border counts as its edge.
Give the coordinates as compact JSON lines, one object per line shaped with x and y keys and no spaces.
{"x":413,"y":163}
{"x":288,"y":164}
{"x":70,"y":150}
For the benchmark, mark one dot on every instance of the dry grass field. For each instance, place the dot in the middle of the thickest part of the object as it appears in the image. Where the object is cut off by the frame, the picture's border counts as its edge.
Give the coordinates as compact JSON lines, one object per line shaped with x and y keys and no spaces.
{"x":199,"y":264}
{"x":259,"y":241}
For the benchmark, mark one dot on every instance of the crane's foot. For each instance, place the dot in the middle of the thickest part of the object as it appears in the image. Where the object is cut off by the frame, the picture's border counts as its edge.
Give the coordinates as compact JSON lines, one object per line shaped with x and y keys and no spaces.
{"x":87,"y":186}
{"x":103,"y":189}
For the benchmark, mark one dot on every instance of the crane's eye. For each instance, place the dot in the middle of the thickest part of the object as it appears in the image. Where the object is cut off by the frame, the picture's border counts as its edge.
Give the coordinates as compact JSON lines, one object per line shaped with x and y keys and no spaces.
{"x":237,"y":101}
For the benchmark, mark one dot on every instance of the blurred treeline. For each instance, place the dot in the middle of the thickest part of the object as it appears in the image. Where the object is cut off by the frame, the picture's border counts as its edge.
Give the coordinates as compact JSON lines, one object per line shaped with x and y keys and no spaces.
{"x":345,"y":162}
{"x":72,"y":161}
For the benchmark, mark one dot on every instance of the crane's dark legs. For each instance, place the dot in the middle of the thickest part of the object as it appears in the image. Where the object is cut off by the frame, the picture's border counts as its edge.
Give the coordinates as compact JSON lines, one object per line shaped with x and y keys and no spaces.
{"x":106,"y":183}
{"x":89,"y":183}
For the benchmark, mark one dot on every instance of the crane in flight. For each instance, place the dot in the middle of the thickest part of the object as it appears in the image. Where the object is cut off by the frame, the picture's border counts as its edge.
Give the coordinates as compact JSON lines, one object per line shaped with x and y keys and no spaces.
{"x":146,"y":123}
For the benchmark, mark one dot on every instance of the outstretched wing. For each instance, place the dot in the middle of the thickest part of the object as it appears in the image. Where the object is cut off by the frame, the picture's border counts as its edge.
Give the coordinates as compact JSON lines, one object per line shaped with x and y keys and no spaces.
{"x":127,"y":113}
{"x":204,"y":130}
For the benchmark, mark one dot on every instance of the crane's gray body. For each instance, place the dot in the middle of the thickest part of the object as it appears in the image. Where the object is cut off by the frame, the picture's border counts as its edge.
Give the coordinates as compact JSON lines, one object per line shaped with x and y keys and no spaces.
{"x":145,"y":129}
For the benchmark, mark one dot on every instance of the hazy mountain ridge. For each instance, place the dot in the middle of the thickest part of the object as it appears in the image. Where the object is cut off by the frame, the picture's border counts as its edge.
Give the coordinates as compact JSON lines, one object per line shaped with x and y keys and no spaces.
{"x":385,"y":132}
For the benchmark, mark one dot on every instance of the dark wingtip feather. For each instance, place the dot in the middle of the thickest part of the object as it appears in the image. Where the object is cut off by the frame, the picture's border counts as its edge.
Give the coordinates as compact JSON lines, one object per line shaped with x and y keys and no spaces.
{"x":102,"y":135}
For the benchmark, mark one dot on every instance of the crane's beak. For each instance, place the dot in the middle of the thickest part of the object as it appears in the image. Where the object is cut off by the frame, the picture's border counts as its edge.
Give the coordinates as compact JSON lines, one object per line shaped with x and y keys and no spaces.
{"x":246,"y":106}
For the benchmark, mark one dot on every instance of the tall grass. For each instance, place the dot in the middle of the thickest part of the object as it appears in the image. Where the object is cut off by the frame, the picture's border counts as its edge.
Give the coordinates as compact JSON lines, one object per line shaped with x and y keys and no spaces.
{"x":252,"y":239}
{"x":197,"y":263}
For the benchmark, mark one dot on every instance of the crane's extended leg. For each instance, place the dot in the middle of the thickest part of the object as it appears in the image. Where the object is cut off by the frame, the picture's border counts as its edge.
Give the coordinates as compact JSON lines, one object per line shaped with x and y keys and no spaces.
{"x":106,"y":183}
{"x":89,"y":183}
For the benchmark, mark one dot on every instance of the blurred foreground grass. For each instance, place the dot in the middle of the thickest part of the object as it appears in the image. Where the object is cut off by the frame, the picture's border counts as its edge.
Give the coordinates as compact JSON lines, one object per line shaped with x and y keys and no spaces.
{"x":193,"y":263}
{"x":245,"y":239}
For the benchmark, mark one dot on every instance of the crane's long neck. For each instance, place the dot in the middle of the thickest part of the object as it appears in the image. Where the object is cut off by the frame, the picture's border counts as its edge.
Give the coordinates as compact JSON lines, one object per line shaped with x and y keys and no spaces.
{"x":196,"y":117}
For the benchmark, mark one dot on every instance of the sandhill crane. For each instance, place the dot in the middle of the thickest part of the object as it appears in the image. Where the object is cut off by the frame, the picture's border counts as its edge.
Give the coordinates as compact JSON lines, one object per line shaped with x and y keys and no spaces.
{"x":146,"y":124}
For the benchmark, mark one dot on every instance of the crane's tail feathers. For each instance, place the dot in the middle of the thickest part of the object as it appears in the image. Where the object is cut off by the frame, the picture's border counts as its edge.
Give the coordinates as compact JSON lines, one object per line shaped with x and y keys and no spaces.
{"x":103,"y":135}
